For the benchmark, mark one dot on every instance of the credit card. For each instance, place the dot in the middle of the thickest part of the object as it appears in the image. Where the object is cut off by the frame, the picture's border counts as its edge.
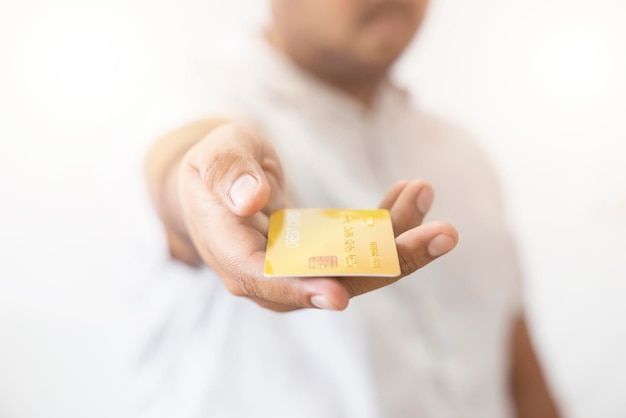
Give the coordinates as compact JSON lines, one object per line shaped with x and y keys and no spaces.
{"x":331,"y":242}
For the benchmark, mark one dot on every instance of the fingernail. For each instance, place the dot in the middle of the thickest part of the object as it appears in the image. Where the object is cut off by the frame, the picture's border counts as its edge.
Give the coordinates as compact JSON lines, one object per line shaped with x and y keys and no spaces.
{"x":425,"y":199}
{"x":242,"y":189}
{"x":440,"y":245}
{"x":322,"y":302}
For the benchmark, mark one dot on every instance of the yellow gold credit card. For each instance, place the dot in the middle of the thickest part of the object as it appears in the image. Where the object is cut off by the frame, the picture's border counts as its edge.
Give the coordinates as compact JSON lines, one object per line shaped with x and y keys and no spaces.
{"x":331,"y":242}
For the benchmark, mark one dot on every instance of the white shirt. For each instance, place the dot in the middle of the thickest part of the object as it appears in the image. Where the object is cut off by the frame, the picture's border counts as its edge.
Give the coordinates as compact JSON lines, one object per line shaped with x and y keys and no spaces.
{"x":434,"y":344}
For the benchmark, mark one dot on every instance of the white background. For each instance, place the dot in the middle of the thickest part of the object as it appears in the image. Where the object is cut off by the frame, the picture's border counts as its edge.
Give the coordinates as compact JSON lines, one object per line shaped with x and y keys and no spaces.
{"x":84,"y":85}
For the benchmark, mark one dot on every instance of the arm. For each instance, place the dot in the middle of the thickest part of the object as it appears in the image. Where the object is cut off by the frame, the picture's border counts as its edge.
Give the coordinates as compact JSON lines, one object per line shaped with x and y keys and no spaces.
{"x":214,"y":184}
{"x":531,"y":395}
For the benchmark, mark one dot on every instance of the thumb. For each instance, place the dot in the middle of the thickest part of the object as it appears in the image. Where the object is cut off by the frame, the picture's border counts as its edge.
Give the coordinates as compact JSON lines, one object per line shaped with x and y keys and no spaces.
{"x":247,"y":194}
{"x":238,"y":168}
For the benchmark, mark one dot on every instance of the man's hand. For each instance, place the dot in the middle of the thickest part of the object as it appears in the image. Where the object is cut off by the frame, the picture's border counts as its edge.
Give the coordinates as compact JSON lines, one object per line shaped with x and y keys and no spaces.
{"x":230,"y":182}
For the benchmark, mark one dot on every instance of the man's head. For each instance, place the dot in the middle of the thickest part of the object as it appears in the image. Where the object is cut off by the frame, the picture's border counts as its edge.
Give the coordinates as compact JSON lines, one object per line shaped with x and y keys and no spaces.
{"x":346,"y":38}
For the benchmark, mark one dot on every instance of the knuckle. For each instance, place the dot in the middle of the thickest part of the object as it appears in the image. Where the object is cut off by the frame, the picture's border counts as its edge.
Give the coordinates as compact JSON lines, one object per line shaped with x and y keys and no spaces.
{"x":234,"y":288}
{"x":408,"y":263}
{"x":242,"y":284}
{"x":219,"y":166}
{"x":355,"y":287}
{"x":248,"y":289}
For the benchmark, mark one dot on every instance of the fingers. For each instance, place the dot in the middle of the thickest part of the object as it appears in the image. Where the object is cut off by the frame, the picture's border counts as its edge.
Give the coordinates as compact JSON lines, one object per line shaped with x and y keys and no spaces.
{"x":410,"y":205}
{"x":408,"y":202}
{"x":419,"y":246}
{"x":238,"y":168}
{"x":392,"y":194}
{"x":416,"y":248}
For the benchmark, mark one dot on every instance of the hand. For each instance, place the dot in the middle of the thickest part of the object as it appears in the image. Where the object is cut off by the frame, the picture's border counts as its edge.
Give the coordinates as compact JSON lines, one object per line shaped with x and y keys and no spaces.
{"x":231,"y":181}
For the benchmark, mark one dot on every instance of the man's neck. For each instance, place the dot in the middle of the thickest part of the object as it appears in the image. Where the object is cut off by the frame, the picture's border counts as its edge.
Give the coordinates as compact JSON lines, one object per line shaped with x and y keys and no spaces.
{"x":362,"y":89}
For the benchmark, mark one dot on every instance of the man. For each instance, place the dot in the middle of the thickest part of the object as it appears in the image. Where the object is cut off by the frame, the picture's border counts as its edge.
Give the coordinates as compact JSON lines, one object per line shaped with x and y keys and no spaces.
{"x":314,"y":121}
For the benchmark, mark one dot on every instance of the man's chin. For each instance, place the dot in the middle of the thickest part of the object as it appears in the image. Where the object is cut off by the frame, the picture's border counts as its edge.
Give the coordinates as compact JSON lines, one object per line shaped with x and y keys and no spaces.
{"x":384,"y":50}
{"x":392,"y":31}
{"x":382,"y":56}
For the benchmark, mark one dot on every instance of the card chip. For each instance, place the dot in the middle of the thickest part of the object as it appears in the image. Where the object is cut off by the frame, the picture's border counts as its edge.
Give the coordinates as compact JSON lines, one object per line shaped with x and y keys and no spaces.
{"x":323,"y":262}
